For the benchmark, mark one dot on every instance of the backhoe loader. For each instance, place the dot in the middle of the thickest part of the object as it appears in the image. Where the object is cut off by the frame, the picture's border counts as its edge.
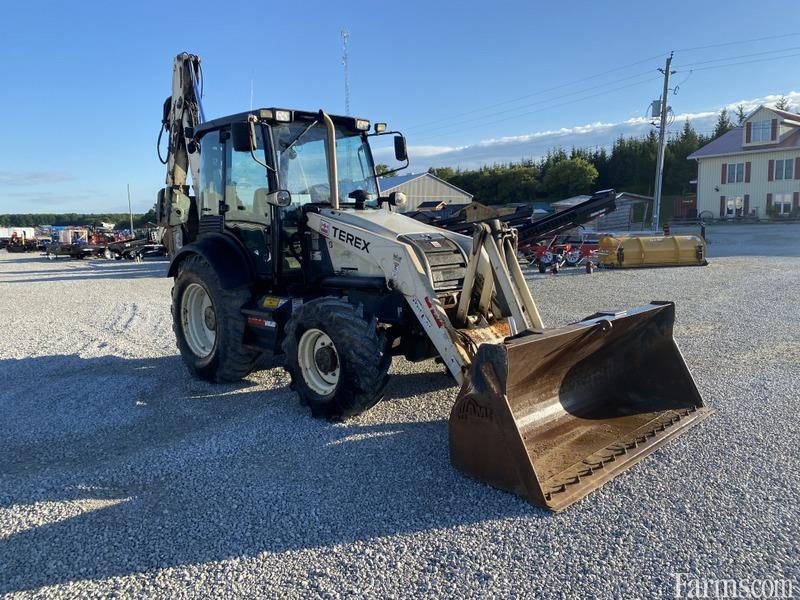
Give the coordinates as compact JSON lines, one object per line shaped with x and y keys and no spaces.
{"x":285,"y":245}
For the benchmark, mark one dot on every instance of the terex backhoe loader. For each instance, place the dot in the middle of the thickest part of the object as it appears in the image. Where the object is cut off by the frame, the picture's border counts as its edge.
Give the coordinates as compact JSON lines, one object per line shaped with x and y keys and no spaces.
{"x":288,"y":247}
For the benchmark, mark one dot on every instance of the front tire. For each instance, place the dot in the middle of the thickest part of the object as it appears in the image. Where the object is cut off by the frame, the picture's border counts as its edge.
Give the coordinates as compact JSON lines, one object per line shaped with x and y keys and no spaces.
{"x":336,"y":357}
{"x":208,"y":323}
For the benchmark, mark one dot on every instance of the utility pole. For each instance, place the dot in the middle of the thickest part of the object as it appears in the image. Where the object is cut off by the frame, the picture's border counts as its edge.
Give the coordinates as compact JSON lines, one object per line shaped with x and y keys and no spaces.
{"x":662,"y":132}
{"x":130,"y":211}
{"x":345,"y":61}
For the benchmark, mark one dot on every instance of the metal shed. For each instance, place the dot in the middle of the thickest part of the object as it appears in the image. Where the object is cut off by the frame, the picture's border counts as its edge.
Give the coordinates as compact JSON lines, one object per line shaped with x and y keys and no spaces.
{"x":424,"y":187}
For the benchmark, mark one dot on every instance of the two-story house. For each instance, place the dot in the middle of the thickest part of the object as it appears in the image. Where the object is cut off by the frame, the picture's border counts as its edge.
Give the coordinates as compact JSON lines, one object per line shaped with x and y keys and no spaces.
{"x":752,"y":170}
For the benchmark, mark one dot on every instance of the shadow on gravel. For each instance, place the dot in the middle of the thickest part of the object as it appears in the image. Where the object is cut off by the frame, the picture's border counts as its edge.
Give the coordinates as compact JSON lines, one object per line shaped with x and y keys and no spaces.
{"x":404,"y":385}
{"x":193,"y":473}
{"x":82,"y":271}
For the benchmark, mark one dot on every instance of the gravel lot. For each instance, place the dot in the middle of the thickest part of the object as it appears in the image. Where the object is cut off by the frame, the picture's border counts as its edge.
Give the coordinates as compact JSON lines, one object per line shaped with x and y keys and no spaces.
{"x":119,"y":475}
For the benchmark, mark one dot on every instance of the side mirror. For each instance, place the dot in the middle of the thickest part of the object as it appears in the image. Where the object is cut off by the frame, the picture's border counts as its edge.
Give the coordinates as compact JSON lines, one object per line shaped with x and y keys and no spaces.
{"x":280,"y":198}
{"x":243,"y":137}
{"x":400,"y":150}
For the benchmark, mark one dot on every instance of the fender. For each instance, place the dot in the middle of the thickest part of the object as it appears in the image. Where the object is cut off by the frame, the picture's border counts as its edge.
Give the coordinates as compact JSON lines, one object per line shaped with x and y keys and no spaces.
{"x":225,"y":256}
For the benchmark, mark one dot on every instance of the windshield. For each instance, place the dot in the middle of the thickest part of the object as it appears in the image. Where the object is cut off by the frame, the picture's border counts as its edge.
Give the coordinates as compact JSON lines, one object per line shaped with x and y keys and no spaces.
{"x":303,"y":167}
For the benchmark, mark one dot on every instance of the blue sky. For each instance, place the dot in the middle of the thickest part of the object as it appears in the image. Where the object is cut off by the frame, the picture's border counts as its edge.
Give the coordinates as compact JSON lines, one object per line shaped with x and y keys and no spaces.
{"x":468,"y":82}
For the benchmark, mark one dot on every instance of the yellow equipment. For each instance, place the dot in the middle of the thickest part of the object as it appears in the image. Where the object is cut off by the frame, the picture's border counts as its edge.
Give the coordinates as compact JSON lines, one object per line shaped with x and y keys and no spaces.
{"x":630,"y":251}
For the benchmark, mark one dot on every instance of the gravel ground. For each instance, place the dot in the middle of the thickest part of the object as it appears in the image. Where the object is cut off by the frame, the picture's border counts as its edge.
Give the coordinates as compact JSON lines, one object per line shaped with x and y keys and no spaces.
{"x":121,"y":476}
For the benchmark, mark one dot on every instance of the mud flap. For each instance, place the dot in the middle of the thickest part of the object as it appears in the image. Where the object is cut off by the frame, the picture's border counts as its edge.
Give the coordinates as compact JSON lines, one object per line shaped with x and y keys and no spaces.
{"x":552,"y":416}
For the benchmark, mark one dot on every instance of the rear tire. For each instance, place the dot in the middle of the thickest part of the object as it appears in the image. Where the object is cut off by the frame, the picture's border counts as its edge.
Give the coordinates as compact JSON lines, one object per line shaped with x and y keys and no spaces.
{"x":336,"y":357}
{"x":211,"y":342}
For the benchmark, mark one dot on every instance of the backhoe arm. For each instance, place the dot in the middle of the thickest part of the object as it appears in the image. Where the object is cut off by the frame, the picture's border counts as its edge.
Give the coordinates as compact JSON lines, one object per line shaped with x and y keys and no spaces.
{"x":183,"y":111}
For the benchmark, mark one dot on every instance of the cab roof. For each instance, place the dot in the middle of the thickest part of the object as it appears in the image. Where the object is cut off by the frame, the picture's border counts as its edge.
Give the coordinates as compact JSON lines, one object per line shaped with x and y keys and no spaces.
{"x":268,"y":114}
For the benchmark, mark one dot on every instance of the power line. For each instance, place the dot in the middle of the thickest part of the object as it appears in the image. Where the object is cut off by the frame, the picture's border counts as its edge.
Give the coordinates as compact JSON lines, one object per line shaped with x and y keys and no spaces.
{"x":746,"y":62}
{"x":712,"y":60}
{"x":481,"y":117}
{"x":739,"y":42}
{"x":544,"y":108}
{"x":544,"y":91}
{"x":447,"y":126}
{"x":615,"y":69}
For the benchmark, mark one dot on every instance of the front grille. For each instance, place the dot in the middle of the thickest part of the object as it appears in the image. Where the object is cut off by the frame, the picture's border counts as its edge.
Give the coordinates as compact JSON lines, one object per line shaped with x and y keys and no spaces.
{"x":445,"y":258}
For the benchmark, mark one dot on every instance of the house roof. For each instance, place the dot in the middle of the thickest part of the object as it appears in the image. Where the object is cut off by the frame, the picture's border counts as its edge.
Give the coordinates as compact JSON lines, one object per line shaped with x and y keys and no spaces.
{"x":631,"y":198}
{"x":389,"y":183}
{"x":727,"y":143}
{"x":790,"y":116}
{"x":431,"y":204}
{"x":732,"y":141}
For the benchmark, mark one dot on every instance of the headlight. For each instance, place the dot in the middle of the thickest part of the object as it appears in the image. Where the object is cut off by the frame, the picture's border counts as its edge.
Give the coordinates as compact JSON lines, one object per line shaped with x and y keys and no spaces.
{"x":380,"y":127}
{"x":284,"y":116}
{"x":362,"y":124}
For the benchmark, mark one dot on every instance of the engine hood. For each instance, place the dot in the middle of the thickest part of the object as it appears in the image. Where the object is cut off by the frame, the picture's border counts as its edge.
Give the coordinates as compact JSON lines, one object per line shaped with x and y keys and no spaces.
{"x":391,"y":224}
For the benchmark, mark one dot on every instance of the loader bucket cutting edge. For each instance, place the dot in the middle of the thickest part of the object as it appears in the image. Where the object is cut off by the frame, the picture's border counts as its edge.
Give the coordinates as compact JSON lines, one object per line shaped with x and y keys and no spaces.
{"x":552,"y":416}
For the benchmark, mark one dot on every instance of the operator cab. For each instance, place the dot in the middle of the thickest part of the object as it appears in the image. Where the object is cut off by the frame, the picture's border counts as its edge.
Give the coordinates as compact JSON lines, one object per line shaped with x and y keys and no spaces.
{"x":260,"y":170}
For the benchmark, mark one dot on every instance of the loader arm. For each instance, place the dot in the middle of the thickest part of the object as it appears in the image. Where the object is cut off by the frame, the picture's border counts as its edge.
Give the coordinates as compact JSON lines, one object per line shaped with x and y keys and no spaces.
{"x":183,"y":112}
{"x":505,"y":306}
{"x":402,"y":270}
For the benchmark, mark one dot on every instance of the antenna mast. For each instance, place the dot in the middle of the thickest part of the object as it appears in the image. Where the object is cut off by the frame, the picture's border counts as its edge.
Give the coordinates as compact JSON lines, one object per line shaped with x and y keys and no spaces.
{"x":345,"y":36}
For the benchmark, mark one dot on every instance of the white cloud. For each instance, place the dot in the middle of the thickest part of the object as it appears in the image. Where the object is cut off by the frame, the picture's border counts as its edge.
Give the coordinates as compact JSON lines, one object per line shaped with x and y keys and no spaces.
{"x":32,"y":178}
{"x":536,"y":144}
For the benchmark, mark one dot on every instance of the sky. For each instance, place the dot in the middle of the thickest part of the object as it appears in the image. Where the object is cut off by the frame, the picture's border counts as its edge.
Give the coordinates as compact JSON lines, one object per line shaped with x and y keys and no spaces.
{"x":469,"y":83}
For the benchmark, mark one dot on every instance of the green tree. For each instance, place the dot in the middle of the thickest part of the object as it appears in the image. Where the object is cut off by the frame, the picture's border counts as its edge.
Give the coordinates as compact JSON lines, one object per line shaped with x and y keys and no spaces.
{"x":570,"y":177}
{"x":740,"y":114}
{"x":783,"y":103}
{"x":723,"y":125}
{"x":678,"y":171}
{"x":381,"y":168}
{"x":445,"y":173}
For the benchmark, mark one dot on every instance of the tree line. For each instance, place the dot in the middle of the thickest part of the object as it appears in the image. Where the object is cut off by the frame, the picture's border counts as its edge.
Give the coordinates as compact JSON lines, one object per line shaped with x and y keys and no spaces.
{"x":629,"y":167}
{"x":120,"y":220}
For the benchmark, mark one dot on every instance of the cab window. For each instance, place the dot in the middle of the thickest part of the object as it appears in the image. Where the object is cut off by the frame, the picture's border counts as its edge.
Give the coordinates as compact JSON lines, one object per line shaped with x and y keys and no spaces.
{"x":246,"y":186}
{"x":212,"y":157}
{"x":303,"y":167}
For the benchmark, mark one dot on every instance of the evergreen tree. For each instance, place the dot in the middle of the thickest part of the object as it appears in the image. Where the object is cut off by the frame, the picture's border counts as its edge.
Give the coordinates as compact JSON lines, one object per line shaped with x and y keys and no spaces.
{"x":723,"y":125}
{"x":783,"y":103}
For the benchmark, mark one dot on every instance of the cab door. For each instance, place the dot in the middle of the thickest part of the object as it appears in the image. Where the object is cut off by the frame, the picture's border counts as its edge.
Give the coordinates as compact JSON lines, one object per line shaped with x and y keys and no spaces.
{"x":248,"y":215}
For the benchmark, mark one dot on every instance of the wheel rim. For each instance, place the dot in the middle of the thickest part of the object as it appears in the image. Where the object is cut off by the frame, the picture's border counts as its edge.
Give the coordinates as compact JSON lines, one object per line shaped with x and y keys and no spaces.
{"x":199,"y":320}
{"x":319,"y":361}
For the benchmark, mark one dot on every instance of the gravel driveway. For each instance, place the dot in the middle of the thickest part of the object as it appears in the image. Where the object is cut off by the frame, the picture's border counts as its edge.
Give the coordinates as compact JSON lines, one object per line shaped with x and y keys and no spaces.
{"x":120,"y":475}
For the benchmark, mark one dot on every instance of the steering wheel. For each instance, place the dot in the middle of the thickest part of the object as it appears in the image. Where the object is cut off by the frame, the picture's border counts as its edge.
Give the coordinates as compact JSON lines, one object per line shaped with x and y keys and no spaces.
{"x":293,"y":243}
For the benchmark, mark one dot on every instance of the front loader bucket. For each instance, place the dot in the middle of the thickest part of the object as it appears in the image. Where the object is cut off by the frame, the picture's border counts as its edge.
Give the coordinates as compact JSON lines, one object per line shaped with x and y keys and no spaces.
{"x":552,"y":416}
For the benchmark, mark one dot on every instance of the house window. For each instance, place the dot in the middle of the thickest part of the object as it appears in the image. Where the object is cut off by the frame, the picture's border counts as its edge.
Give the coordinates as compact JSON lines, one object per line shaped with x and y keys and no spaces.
{"x":734,"y":206}
{"x":784,"y":169}
{"x":735,"y":172}
{"x":782,"y":203}
{"x":761,"y":131}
